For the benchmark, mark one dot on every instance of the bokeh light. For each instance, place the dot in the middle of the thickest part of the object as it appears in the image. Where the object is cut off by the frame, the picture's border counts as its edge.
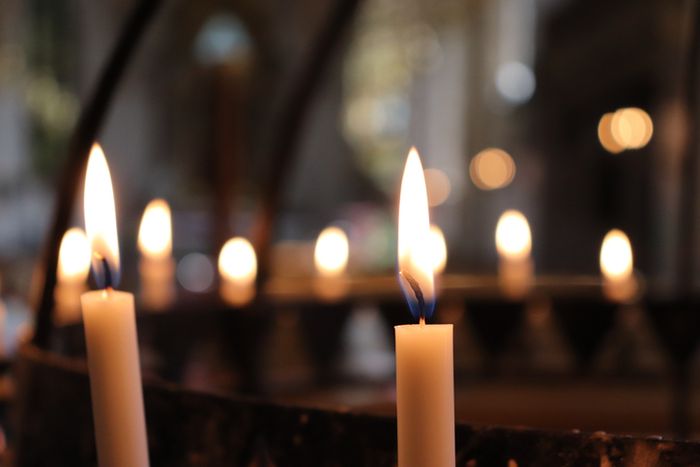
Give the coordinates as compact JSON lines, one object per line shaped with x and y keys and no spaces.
{"x":74,"y":256}
{"x":438,"y":248}
{"x":515,"y":82}
{"x":616,"y":261}
{"x":627,"y":128}
{"x":155,"y":232}
{"x":195,"y":272}
{"x":491,"y":169}
{"x":331,"y":252}
{"x":238,"y":262}
{"x":438,"y":185}
{"x":513,"y":237}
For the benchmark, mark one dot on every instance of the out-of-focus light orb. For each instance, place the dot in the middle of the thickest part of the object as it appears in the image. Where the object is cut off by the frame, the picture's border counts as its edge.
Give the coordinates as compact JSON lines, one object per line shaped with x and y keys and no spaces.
{"x":605,"y":135}
{"x":616,"y":261}
{"x":513,"y":237}
{"x":627,"y":128}
{"x":155,"y":232}
{"x":331,"y":252}
{"x":238,"y":262}
{"x":438,"y":248}
{"x":438,"y":185}
{"x":74,"y":256}
{"x":222,"y":38}
{"x":515,"y":82}
{"x":491,"y":169}
{"x":195,"y":272}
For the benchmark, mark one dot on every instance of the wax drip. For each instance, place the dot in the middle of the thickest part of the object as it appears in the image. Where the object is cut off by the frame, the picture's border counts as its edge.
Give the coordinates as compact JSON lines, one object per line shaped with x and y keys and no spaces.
{"x":417,"y":293}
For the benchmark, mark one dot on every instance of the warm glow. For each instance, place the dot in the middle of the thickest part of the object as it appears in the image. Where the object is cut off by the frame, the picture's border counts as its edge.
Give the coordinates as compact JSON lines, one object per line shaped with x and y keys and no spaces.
{"x":414,"y":252}
{"x":100,"y":219}
{"x":74,"y":257}
{"x":616,"y":260}
{"x":331,"y":252}
{"x":513,"y":239}
{"x":438,"y":185}
{"x":492,"y":168}
{"x":237,"y":261}
{"x":605,"y":135}
{"x":155,"y":232}
{"x":438,"y":248}
{"x":627,"y":128}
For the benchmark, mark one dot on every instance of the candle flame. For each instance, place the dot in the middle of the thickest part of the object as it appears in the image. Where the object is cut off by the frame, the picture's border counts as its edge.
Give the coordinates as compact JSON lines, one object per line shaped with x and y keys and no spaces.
{"x":155,"y":232}
{"x":415,"y":260}
{"x":513,"y":238}
{"x":616,"y":261}
{"x":100,"y":219}
{"x":439,"y":249}
{"x":74,"y":256}
{"x":331,"y":252}
{"x":237,"y":261}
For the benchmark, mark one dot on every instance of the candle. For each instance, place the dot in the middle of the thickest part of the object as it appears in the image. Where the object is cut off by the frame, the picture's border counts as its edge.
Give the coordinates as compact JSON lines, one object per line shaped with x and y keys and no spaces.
{"x":331,"y":260}
{"x":110,"y":333}
{"x":424,"y":352}
{"x":617,"y":267}
{"x":238,"y":267}
{"x":157,"y":267}
{"x":73,"y":269}
{"x":514,"y":243}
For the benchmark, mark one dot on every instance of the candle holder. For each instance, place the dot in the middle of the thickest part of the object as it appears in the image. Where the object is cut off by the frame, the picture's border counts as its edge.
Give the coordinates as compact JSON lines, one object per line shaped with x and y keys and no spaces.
{"x":221,"y":425}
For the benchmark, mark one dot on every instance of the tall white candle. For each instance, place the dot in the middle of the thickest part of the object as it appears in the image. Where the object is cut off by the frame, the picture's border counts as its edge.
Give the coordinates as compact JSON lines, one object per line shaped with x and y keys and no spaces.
{"x":514,"y":243}
{"x":73,"y":269}
{"x":238,"y":267}
{"x":424,"y":352}
{"x":157,"y":267}
{"x":110,"y":333}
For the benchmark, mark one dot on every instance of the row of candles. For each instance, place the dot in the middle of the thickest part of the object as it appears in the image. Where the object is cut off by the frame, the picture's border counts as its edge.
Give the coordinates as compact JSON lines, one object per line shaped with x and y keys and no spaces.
{"x":424,"y":352}
{"x":237,"y":263}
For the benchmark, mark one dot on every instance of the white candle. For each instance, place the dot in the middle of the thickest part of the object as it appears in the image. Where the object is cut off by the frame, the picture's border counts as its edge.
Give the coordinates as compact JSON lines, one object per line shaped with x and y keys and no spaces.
{"x":156,"y":268}
{"x":73,"y":269}
{"x":331,"y":260}
{"x":514,"y":243}
{"x":238,"y":266}
{"x":617,"y":267}
{"x":424,"y":352}
{"x":110,"y":333}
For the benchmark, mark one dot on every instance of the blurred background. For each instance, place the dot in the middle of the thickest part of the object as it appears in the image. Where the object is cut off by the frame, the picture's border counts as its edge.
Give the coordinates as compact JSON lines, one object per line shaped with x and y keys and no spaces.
{"x":504,"y":99}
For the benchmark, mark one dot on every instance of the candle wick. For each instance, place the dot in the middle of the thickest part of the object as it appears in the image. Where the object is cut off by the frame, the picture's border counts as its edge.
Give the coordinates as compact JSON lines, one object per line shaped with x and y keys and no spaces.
{"x":107,"y":273}
{"x":421,"y":321}
{"x":417,"y":293}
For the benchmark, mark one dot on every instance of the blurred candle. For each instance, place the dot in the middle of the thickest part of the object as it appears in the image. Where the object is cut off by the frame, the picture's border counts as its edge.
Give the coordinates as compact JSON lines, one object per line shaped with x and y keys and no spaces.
{"x":331,"y":260}
{"x":514,"y":243}
{"x":157,"y":267}
{"x":617,"y":267}
{"x":439,"y":249}
{"x":424,"y":352}
{"x":238,"y":267}
{"x":73,"y":269}
{"x":110,"y":333}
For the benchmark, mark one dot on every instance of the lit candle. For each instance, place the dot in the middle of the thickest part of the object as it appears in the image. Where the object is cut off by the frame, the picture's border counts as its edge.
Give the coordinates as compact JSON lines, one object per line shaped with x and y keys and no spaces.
{"x":110,"y":333}
{"x":617,"y":267}
{"x":157,"y":267}
{"x":73,"y":269}
{"x":238,"y":267}
{"x":331,"y":260}
{"x":514,"y":243}
{"x":424,"y":352}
